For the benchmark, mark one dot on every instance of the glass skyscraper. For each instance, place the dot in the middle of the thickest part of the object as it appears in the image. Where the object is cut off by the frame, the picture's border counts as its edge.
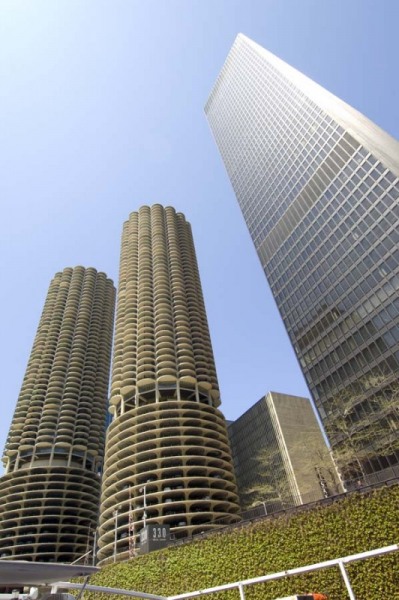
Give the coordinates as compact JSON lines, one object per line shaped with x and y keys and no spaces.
{"x":317,"y":183}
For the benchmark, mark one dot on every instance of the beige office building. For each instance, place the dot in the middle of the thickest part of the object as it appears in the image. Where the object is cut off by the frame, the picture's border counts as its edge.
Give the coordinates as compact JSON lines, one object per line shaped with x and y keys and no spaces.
{"x":167,"y":459}
{"x":54,"y":452}
{"x":280,"y":456}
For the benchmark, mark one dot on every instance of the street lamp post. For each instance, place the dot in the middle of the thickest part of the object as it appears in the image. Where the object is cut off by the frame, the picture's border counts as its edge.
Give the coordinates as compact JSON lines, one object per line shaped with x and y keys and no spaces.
{"x":116,"y":532}
{"x":144,"y":490}
{"x":94,"y":548}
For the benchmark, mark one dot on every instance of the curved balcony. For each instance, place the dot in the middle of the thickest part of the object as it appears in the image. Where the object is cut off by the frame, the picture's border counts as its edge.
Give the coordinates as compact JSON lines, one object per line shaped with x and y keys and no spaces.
{"x":184,"y":464}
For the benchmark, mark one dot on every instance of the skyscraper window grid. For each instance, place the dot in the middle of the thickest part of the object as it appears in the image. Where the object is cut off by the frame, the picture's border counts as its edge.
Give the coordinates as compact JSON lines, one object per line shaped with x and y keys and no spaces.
{"x":322,"y":210}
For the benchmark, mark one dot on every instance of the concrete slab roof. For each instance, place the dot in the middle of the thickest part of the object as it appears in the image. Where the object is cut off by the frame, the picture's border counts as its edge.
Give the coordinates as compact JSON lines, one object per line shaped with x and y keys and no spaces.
{"x":21,"y":573}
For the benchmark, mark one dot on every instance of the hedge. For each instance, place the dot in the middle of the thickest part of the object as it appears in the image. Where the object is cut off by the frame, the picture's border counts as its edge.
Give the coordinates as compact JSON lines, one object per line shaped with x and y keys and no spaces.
{"x":354,"y":524}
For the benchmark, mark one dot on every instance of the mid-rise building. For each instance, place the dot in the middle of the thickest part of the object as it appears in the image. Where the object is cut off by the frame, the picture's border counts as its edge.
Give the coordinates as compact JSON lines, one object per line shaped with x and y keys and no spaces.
{"x":280,"y":456}
{"x":317,"y":183}
{"x":168,"y":459}
{"x":54,"y":451}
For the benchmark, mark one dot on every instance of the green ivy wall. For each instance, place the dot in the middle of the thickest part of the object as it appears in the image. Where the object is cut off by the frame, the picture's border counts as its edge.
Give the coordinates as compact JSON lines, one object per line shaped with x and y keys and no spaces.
{"x":357,"y":523}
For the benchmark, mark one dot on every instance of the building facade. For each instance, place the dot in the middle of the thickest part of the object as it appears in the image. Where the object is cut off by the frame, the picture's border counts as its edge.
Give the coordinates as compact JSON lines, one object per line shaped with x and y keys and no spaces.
{"x":167,"y":455}
{"x":279,"y":454}
{"x":54,"y":451}
{"x":317,"y":183}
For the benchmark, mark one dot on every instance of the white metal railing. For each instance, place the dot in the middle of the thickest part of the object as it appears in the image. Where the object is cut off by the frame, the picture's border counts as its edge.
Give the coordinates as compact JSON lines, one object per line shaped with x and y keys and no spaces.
{"x":240,"y":585}
{"x":67,"y":585}
{"x":340,"y":562}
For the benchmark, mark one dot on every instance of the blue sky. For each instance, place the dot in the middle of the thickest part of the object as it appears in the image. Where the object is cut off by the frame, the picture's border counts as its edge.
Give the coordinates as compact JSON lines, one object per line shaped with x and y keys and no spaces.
{"x":101,"y":111}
